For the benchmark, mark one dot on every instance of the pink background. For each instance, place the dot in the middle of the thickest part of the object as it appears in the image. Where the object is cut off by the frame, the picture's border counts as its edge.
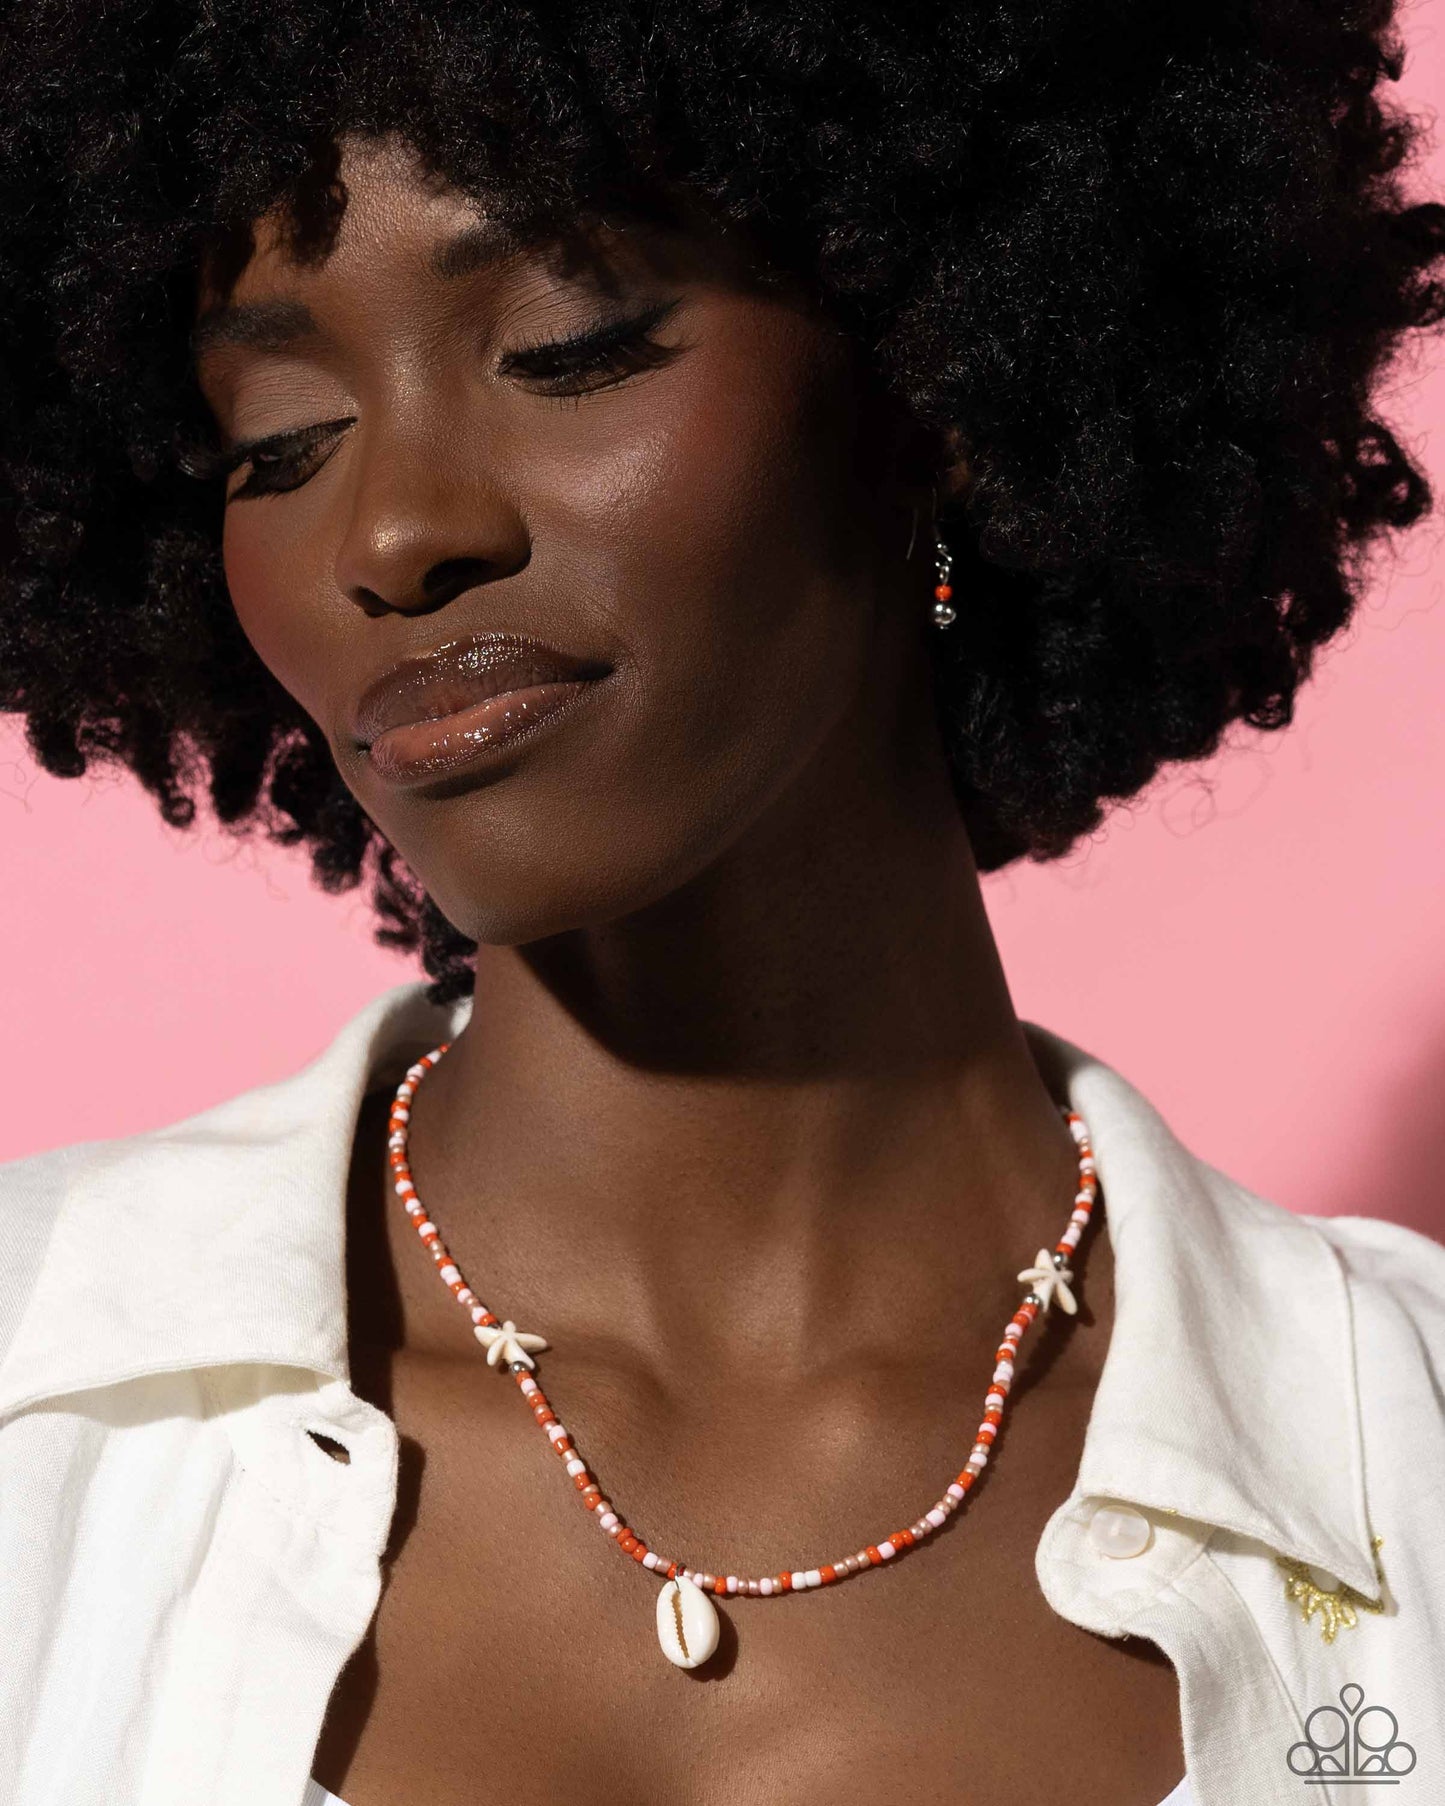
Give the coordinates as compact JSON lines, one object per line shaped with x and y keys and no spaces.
{"x":1259,"y":944}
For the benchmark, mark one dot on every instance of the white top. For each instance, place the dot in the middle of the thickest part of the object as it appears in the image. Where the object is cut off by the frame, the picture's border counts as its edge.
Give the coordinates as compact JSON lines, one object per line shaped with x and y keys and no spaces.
{"x":184,"y":1571}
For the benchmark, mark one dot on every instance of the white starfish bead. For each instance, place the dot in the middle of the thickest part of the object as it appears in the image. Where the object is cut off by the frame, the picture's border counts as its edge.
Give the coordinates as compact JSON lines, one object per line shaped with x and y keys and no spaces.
{"x":1047,"y":1282}
{"x":504,"y":1342}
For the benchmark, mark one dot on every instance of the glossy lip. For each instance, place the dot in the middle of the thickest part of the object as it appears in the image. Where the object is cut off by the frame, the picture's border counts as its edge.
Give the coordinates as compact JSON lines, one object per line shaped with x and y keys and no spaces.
{"x":457,"y":706}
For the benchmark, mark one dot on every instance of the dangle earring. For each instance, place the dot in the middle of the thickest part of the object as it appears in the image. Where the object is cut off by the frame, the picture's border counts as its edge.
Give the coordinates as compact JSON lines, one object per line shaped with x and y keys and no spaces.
{"x":944,"y":613}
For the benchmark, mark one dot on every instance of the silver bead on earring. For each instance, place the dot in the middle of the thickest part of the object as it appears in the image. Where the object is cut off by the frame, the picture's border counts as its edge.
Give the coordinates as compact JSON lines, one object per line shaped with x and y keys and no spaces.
{"x":944,"y":613}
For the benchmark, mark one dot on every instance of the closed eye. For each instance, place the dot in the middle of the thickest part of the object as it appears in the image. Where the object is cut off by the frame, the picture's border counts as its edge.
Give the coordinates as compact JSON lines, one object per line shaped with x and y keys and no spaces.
{"x":278,"y":461}
{"x":596,"y":357}
{"x":577,"y":364}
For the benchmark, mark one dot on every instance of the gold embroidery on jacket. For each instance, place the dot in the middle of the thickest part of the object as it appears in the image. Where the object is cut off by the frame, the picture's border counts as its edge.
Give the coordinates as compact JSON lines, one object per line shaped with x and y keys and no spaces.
{"x":1339,"y":1607}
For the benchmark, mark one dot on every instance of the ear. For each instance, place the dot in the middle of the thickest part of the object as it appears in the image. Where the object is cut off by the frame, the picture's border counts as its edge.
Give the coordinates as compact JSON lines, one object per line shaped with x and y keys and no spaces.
{"x":955,"y":473}
{"x":932,"y":458}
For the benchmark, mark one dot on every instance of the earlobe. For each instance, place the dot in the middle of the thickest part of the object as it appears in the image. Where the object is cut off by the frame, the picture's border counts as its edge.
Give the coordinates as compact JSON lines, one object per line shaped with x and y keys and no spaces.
{"x":955,"y":474}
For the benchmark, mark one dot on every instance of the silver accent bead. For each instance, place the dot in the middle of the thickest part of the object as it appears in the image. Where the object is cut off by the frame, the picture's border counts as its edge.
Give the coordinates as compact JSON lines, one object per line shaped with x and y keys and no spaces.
{"x":1033,"y":1298}
{"x":1060,"y":1260}
{"x":519,"y":1367}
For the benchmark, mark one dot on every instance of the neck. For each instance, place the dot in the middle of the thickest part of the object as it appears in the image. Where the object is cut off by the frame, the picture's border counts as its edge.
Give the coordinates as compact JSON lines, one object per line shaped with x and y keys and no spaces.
{"x":790,"y":1102}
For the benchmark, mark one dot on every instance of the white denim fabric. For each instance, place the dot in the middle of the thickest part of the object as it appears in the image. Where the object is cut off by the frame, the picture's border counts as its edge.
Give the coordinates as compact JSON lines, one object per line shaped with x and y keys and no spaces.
{"x":184,"y":1571}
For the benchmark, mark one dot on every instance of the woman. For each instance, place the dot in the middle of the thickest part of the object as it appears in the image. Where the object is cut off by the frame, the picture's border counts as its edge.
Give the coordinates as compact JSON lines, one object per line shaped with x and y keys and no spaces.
{"x":668,"y":496}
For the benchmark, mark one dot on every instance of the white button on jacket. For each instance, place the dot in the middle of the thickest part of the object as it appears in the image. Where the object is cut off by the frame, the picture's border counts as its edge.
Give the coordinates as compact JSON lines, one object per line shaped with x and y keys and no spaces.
{"x":184,"y":1570}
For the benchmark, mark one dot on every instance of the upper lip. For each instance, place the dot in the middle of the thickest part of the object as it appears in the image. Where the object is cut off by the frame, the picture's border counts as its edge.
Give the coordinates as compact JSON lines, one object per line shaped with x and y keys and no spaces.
{"x":465,"y":671}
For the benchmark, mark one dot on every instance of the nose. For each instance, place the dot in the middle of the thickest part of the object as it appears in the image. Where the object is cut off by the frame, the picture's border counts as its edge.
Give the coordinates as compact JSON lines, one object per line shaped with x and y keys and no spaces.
{"x":424,"y":524}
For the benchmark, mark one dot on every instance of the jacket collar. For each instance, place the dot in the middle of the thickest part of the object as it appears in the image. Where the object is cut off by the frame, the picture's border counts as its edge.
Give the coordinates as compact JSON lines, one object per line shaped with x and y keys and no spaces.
{"x":1228,"y":1392}
{"x":1227,"y":1395}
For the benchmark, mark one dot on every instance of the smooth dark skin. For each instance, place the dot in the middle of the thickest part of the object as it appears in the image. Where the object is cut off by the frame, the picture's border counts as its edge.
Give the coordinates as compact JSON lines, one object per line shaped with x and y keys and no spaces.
{"x":746,"y":1123}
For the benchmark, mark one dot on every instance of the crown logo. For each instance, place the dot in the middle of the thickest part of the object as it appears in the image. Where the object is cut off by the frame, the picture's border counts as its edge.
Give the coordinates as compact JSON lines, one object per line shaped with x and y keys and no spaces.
{"x":1361,"y":1744}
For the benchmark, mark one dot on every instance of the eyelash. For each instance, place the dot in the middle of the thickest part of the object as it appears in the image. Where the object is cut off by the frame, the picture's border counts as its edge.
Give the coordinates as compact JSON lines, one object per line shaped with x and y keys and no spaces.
{"x":605,"y":355}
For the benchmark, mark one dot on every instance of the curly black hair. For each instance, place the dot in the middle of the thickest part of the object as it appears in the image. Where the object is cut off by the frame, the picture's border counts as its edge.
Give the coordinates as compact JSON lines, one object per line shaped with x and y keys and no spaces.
{"x":1145,"y":266}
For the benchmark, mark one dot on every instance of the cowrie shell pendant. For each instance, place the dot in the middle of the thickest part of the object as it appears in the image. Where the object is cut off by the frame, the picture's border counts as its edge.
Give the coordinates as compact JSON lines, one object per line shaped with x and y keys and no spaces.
{"x":687,"y":1624}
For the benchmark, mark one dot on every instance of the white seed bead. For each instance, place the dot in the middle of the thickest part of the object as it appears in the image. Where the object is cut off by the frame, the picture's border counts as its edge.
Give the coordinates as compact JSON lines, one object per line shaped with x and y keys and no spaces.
{"x":797,"y":1580}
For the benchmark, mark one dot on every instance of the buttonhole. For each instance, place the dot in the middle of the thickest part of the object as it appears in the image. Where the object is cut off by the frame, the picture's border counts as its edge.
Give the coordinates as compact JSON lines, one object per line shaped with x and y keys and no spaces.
{"x":338,"y":1451}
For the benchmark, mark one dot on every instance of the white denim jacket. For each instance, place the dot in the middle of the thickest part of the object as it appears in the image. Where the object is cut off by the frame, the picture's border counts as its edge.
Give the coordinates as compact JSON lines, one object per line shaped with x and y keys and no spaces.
{"x":184,"y":1570}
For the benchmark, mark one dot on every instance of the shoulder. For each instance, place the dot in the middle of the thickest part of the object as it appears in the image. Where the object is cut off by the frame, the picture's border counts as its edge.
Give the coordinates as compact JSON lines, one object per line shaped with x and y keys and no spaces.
{"x":216,"y":1237}
{"x":293,"y":1108}
{"x":1391,"y":1267}
{"x":32,"y":1191}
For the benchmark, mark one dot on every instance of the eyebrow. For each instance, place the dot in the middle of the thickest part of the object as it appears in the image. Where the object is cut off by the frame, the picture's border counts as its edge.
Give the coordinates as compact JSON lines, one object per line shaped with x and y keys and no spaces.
{"x":279,"y":325}
{"x":258,"y":325}
{"x":475,"y":247}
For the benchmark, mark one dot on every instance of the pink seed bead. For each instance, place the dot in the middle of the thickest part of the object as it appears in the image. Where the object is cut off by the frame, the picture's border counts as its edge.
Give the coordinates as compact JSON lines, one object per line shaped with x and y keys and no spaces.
{"x":800,"y":1580}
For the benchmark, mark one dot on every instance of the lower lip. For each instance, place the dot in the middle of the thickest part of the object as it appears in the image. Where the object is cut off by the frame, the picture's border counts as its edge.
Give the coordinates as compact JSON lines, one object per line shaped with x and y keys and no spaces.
{"x":422,"y":751}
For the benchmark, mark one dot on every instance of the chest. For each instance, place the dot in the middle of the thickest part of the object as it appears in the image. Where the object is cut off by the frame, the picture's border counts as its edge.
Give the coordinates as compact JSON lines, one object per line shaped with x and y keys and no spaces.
{"x":514,"y":1654}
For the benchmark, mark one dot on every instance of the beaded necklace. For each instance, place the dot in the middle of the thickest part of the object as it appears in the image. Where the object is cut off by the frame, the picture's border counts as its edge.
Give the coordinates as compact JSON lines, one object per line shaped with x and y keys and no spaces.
{"x":687,"y":1622}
